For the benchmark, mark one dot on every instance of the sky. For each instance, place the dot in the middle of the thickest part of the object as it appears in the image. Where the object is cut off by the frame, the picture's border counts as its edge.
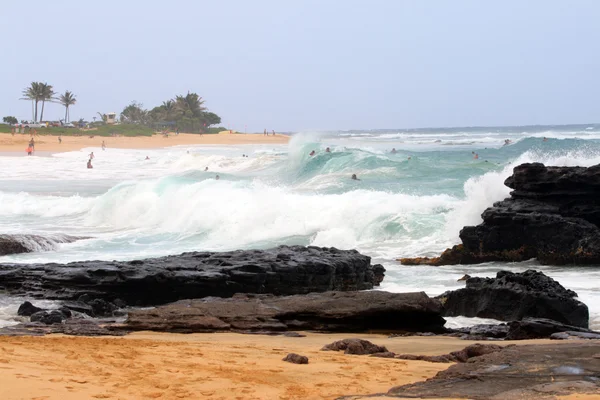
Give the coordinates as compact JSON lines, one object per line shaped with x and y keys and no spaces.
{"x":305,"y":65}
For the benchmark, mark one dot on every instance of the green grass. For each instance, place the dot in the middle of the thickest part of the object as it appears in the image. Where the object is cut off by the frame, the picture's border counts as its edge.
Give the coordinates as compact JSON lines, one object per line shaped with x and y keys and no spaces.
{"x":103,"y":130}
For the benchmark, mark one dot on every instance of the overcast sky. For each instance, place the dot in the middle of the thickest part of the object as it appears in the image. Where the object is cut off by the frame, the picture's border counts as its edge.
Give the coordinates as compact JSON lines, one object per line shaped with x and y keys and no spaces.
{"x":296,"y":65}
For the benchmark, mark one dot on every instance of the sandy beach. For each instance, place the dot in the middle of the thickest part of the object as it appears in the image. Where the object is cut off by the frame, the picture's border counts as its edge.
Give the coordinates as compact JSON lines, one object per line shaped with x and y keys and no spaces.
{"x":19,"y":142}
{"x":210,"y":366}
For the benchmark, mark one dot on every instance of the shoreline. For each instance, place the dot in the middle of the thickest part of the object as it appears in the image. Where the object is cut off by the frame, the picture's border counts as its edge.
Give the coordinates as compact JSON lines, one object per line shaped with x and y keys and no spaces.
{"x":15,"y":145}
{"x":209,"y":365}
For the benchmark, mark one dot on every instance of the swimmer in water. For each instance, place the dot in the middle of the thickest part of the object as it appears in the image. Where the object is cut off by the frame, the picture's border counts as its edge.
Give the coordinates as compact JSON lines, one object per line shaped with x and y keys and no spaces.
{"x":354,"y":178}
{"x":206,"y":169}
{"x":89,"y":164}
{"x":147,"y":158}
{"x":476,"y":156}
{"x":327,"y":150}
{"x":545,"y":139}
{"x":92,"y":155}
{"x":312,"y":153}
{"x":393,"y":151}
{"x":217,"y":177}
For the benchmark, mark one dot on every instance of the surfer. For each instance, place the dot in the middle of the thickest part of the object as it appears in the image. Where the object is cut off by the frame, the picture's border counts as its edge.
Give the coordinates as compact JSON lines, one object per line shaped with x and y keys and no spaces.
{"x":312,"y":153}
{"x":354,"y":178}
{"x":89,"y":164}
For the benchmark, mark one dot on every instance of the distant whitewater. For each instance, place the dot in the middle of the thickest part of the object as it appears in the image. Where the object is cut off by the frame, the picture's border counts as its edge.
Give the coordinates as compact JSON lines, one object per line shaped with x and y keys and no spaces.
{"x":409,"y":203}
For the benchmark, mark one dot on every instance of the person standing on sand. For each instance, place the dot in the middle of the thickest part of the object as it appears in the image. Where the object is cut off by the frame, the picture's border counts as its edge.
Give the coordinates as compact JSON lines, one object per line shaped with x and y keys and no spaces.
{"x":265,"y":131}
{"x":32,"y":144}
{"x":177,"y":132}
{"x":59,"y":139}
{"x":103,"y":146}
{"x":273,"y":133}
{"x":29,"y":150}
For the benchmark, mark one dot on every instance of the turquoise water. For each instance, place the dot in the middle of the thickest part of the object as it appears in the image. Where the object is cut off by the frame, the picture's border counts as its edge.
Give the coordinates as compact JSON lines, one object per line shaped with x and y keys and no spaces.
{"x":411,"y":203}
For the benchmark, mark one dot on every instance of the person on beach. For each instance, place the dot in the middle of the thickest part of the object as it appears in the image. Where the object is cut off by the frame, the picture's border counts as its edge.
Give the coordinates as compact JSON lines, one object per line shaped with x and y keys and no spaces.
{"x":147,"y":158}
{"x":206,"y":169}
{"x":266,"y":132}
{"x":217,"y":177}
{"x":273,"y":133}
{"x":103,"y":146}
{"x":32,"y":144}
{"x":312,"y":153}
{"x":89,"y":164}
{"x":177,"y":132}
{"x":327,"y":150}
{"x":354,"y":178}
{"x":92,"y":155}
{"x":59,"y":139}
{"x":29,"y":150}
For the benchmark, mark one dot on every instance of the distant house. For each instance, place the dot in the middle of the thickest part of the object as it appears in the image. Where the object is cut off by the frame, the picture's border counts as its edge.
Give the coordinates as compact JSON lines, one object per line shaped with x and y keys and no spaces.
{"x":111,"y":118}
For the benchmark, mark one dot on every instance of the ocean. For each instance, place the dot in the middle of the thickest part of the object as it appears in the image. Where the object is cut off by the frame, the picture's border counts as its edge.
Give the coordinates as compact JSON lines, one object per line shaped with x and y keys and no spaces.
{"x":411,"y":203}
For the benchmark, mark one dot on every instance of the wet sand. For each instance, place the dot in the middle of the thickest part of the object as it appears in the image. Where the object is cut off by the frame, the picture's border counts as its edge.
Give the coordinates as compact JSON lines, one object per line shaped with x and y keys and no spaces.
{"x":49,"y":144}
{"x":209,"y":366}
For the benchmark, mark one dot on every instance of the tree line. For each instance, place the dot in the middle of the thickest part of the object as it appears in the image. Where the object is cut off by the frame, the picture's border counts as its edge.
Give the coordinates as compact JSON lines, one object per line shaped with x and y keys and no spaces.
{"x":186,"y":112}
{"x":42,"y":92}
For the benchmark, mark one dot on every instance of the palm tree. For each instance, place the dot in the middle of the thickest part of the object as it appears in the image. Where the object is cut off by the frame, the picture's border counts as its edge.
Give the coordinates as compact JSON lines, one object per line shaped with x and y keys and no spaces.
{"x":47,"y":94}
{"x":34,"y":93}
{"x":168,"y":108}
{"x":190,"y":105}
{"x":67,"y":99}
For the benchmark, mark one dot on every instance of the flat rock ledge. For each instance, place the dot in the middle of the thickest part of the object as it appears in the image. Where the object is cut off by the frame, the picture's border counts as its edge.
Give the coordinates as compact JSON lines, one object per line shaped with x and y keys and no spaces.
{"x":326,"y":312}
{"x":17,"y":244}
{"x":284,"y":270}
{"x":514,"y":372}
{"x":553,"y":214}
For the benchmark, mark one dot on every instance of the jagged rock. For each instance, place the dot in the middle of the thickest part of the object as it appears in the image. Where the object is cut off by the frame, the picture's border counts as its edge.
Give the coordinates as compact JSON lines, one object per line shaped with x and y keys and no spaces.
{"x":27,"y":309}
{"x":48,"y":317}
{"x":537,"y":328}
{"x":575,"y":335}
{"x":75,"y":327}
{"x":553,"y":215}
{"x":514,"y":296}
{"x":329,"y":312}
{"x":16,"y":244}
{"x":461,"y":356}
{"x":355,"y":346}
{"x":285,"y":270}
{"x":484,"y":331}
{"x":296,"y":359}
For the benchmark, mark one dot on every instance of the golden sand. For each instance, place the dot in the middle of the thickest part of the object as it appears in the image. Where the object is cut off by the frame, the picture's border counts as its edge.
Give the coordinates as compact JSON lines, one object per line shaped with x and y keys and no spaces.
{"x":205,"y":366}
{"x":19,"y":142}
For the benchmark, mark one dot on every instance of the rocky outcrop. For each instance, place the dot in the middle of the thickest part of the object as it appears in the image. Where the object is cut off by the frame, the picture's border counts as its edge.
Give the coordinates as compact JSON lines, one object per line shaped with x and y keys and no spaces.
{"x":355,"y":346}
{"x":296,"y":359}
{"x":285,"y":270}
{"x":553,"y":215}
{"x":15,"y":244}
{"x":461,"y":356}
{"x":514,"y":296}
{"x":537,"y":328}
{"x":327,"y":312}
